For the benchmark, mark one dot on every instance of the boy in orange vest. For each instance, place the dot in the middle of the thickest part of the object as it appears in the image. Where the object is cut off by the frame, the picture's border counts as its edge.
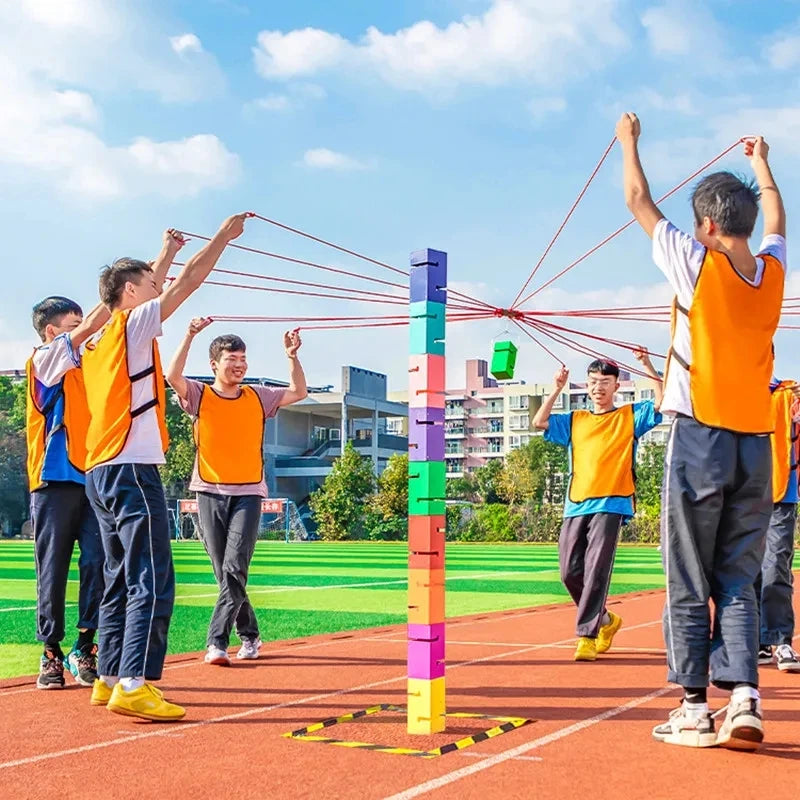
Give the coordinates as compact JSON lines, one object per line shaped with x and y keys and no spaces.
{"x":126,"y":442}
{"x":774,"y":586}
{"x":600,"y":495}
{"x":228,"y":475}
{"x":717,"y":483}
{"x":57,"y":419}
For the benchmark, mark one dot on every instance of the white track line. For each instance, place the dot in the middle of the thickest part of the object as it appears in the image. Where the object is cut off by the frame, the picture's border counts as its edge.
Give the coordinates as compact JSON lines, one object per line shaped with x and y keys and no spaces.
{"x":181,"y":727}
{"x":520,"y":750}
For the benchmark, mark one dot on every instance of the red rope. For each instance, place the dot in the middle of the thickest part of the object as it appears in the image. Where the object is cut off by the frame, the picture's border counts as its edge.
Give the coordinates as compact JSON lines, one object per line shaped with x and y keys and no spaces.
{"x":544,"y":347}
{"x":566,"y":220}
{"x":629,"y":223}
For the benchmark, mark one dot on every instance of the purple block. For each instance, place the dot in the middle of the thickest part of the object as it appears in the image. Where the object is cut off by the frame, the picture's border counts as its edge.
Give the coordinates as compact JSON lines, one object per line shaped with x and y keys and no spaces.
{"x":426,"y":434}
{"x":428,"y":276}
{"x":426,"y":415}
{"x":426,"y":651}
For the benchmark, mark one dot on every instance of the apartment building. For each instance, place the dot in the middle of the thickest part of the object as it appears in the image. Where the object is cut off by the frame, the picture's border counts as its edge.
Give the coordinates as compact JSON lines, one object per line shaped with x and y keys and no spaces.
{"x":487,"y":420}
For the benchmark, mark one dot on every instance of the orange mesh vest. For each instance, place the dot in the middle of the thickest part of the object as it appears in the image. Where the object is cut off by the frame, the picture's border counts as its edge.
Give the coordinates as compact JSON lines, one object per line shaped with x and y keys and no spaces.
{"x":229,"y":433}
{"x":109,"y":391}
{"x":602,"y":454}
{"x":785,"y":444}
{"x":68,"y":415}
{"x":731,"y":325}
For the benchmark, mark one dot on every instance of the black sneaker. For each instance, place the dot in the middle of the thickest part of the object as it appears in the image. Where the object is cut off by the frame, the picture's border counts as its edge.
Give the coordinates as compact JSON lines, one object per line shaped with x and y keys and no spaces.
{"x":786,"y":659}
{"x":51,"y":671}
{"x":82,"y":663}
{"x":765,"y":654}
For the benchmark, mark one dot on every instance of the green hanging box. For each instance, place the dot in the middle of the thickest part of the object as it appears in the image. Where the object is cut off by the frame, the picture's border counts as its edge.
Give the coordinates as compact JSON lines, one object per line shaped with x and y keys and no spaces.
{"x":504,"y":358}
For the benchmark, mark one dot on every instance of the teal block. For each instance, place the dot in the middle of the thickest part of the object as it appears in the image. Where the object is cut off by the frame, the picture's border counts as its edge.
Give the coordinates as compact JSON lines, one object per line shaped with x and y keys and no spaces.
{"x":426,"y":487}
{"x":426,"y":327}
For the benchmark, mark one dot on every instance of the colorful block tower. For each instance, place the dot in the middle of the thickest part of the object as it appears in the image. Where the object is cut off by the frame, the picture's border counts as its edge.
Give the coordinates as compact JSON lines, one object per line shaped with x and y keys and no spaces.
{"x":426,"y":493}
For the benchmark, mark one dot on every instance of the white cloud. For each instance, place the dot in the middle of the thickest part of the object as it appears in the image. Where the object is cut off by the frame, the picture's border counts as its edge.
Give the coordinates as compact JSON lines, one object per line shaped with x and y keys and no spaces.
{"x":784,"y":52}
{"x":273,"y":102}
{"x":323,"y":158}
{"x":536,"y":40}
{"x":186,"y":43}
{"x":667,"y":31}
{"x":543,"y":108}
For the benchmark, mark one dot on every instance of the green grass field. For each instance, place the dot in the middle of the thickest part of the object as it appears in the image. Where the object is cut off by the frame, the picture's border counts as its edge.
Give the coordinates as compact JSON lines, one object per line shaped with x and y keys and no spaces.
{"x":304,"y":589}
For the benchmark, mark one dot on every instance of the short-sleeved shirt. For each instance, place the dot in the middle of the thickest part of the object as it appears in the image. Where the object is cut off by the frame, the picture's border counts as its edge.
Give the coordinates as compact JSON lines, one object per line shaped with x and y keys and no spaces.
{"x":51,"y":362}
{"x":143,"y":445}
{"x":559,"y":431}
{"x":270,"y":401}
{"x":680,"y":257}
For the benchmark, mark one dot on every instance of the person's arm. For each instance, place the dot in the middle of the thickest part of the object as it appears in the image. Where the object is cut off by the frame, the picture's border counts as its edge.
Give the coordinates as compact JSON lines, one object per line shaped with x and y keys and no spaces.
{"x":173,"y":241}
{"x":643,"y":357}
{"x":541,"y":420}
{"x":198,"y":267}
{"x":772,"y":208}
{"x":637,"y":191}
{"x":174,"y":373}
{"x":297,"y":389}
{"x":90,"y":324}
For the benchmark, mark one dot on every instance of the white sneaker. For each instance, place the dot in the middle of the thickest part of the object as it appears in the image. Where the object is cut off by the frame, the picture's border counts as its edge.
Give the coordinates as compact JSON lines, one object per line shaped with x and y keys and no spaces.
{"x":786,"y":659}
{"x":687,"y":729}
{"x":742,"y":729}
{"x":249,"y":649}
{"x":217,"y":656}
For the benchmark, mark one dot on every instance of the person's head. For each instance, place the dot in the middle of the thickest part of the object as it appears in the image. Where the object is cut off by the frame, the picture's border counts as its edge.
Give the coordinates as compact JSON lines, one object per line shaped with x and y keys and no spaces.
{"x":54,"y":316}
{"x":127,"y":283}
{"x":228,"y":356}
{"x":602,"y":382}
{"x":724,"y":206}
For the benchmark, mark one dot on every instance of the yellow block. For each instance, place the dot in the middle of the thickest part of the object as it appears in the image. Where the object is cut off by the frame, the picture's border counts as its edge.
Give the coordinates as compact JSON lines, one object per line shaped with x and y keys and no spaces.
{"x":426,"y":706}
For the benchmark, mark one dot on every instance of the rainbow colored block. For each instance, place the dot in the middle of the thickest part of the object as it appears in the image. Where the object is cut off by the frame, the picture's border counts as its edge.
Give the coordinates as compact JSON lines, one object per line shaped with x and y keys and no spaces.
{"x":426,"y":327}
{"x":426,"y":434}
{"x":426,"y":381}
{"x":425,"y":596}
{"x":426,"y":651}
{"x":428,"y":276}
{"x":426,"y":487}
{"x":426,"y":705}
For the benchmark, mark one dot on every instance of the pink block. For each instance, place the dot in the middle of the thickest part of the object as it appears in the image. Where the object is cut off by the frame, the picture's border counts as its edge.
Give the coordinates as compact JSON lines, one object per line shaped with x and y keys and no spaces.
{"x":426,"y":651}
{"x":426,"y":381}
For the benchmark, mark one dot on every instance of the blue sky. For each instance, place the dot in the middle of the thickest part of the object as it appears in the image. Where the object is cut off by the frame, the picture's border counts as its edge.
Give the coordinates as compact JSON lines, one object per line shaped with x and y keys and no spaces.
{"x":461,"y":125}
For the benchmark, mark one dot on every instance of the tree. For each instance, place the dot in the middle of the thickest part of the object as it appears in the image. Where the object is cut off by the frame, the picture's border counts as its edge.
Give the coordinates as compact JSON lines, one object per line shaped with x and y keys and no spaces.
{"x":462,"y":488}
{"x":389,"y":505}
{"x":649,"y":476}
{"x":13,"y":455}
{"x":486,"y":481}
{"x":177,"y":472}
{"x":339,"y":504}
{"x":534,"y":473}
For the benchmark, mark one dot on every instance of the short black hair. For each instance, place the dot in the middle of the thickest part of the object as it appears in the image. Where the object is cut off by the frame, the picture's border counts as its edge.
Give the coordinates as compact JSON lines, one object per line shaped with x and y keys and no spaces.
{"x":51,"y":310}
{"x":113,"y":278}
{"x":730,"y":202}
{"x":227,"y":343}
{"x":604,"y":367}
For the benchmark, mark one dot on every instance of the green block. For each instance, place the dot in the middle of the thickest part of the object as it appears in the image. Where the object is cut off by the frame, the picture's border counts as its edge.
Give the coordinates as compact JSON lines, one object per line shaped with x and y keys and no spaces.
{"x":426,"y":487}
{"x":427,"y":328}
{"x":504,"y":358}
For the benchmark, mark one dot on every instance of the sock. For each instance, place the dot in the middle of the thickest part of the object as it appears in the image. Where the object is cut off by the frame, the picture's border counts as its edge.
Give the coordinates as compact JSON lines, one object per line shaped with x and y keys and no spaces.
{"x":131,"y":684}
{"x":695,"y":696}
{"x":55,"y":649}
{"x":110,"y":680}
{"x":85,"y":639}
{"x":606,"y":620}
{"x":744,"y":691}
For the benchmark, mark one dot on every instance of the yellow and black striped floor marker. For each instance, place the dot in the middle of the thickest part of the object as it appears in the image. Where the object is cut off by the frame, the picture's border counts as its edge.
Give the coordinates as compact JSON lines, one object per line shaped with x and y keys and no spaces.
{"x":307,"y":734}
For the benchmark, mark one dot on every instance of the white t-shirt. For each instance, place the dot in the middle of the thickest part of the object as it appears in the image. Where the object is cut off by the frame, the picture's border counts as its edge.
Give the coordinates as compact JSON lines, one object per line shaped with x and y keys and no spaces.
{"x":143,"y":445}
{"x":680,"y":257}
{"x":51,"y":362}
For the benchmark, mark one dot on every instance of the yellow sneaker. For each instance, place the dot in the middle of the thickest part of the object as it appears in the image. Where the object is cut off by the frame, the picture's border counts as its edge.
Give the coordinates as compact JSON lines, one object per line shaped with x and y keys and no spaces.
{"x":607,"y":632}
{"x":586,"y":649}
{"x":101,"y":693}
{"x":146,"y":702}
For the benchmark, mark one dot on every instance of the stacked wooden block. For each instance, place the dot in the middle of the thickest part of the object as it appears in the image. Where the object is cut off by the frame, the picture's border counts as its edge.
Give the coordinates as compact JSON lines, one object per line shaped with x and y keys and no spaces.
{"x":426,"y":493}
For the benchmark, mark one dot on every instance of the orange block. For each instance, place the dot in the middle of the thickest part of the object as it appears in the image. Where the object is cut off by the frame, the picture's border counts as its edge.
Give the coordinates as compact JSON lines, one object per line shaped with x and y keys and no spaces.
{"x":425,"y":596}
{"x":426,"y":542}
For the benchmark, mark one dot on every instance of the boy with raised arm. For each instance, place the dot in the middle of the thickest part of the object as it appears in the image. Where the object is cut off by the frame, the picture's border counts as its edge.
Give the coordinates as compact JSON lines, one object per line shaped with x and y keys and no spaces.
{"x":57,"y":419}
{"x":126,"y":442}
{"x":228,"y":475}
{"x":600,"y":494}
{"x":718,"y":474}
